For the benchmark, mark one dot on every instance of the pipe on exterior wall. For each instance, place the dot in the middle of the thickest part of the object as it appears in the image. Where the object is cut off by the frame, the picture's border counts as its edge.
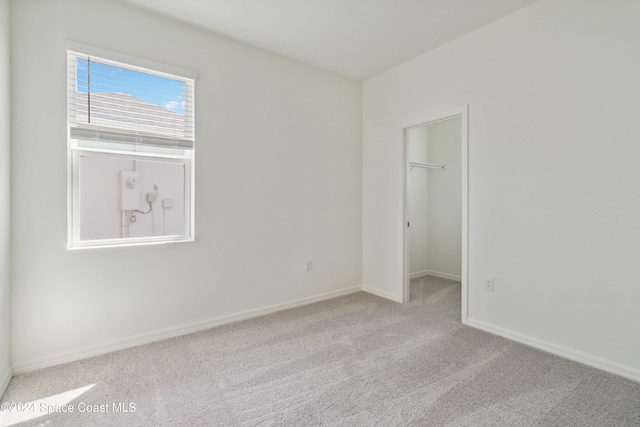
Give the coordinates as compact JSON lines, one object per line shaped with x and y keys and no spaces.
{"x":126,"y":223}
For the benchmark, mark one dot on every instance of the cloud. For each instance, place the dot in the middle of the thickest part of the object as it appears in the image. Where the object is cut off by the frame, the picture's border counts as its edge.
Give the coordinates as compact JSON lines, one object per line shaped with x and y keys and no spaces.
{"x":174,"y":106}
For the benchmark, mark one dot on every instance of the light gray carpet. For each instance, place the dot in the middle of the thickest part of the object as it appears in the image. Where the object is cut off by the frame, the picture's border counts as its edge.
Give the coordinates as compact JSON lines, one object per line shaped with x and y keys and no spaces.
{"x":357,"y":360}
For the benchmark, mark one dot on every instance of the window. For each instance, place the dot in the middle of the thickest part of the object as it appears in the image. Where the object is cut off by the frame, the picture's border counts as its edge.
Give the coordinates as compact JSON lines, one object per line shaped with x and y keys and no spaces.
{"x":131,"y":150}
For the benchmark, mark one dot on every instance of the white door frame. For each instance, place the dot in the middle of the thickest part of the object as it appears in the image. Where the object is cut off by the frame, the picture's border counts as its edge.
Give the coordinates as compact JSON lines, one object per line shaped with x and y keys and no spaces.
{"x":463,"y":113}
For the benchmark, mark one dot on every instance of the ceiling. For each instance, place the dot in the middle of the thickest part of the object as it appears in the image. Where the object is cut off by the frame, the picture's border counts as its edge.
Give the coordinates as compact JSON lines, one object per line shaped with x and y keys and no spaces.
{"x":354,"y":38}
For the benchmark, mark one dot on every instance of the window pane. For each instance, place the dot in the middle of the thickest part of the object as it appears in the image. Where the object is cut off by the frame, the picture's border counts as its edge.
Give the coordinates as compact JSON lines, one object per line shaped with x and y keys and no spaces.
{"x":131,"y":142}
{"x":112,"y":96}
{"x":125,"y":198}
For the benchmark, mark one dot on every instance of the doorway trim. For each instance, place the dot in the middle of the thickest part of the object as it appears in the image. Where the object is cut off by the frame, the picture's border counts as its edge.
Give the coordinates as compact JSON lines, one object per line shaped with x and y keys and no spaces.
{"x":463,"y":113}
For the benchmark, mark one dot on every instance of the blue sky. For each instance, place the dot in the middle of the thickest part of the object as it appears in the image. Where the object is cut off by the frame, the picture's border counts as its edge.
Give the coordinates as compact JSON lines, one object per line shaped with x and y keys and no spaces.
{"x":161,"y":91}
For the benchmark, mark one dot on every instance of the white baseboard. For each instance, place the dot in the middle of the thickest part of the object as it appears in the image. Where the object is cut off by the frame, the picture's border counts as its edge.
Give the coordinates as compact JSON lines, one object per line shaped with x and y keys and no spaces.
{"x":4,"y":383}
{"x":382,"y":294}
{"x":419,"y":274}
{"x":141,"y":339}
{"x":558,"y":350}
{"x":435,"y":274}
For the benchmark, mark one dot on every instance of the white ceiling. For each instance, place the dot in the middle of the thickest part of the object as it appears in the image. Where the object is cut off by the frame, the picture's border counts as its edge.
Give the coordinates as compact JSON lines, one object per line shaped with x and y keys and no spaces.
{"x":355,"y":38}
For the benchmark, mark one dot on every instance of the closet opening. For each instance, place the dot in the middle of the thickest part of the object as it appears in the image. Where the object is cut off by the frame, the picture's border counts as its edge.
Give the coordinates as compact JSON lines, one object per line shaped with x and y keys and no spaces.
{"x":436,"y":208}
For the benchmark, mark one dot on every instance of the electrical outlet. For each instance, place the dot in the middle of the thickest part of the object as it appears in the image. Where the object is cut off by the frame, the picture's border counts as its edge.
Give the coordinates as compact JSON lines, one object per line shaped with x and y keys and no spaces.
{"x":151,"y":197}
{"x":308,"y":265}
{"x":488,"y":284}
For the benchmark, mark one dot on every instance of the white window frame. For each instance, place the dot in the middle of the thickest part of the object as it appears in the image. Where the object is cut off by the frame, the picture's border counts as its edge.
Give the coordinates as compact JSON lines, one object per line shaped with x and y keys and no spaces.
{"x":77,"y":147}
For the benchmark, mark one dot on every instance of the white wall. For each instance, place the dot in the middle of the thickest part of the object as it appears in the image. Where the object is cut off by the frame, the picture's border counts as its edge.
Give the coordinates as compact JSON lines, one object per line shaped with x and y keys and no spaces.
{"x":445,"y":199}
{"x":278,"y":181}
{"x":418,"y":203}
{"x":5,"y":154}
{"x":553,"y":174}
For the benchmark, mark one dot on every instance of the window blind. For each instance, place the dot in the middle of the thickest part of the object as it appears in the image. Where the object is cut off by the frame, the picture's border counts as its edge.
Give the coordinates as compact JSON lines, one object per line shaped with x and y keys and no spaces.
{"x":114,"y":102}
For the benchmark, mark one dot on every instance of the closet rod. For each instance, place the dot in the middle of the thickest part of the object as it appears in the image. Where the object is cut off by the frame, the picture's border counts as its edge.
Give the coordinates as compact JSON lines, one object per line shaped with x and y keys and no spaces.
{"x":425,"y":165}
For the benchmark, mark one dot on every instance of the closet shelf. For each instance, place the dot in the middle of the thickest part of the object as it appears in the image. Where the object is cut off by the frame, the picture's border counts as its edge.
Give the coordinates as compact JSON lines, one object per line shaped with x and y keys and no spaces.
{"x":425,"y":165}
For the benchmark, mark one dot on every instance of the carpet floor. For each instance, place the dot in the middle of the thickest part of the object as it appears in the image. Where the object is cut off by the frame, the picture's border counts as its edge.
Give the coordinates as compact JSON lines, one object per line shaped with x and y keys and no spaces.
{"x":357,"y":360}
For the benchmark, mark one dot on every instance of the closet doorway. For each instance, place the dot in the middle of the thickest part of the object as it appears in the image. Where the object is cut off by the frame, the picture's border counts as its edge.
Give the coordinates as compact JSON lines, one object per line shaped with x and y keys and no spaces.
{"x":436,"y":200}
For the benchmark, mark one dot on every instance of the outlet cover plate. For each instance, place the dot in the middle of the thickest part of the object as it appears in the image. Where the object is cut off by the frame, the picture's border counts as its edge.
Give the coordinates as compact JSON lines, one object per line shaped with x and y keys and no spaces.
{"x":488,"y":284}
